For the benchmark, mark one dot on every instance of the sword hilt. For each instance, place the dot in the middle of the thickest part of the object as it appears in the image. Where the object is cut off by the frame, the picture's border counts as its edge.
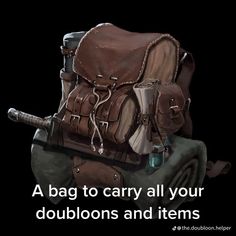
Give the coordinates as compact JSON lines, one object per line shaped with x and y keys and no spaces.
{"x":19,"y":116}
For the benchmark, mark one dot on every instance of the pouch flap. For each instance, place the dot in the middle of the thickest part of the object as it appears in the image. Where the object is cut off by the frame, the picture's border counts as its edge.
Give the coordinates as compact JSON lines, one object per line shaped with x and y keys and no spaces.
{"x":110,"y":56}
{"x":170,"y":99}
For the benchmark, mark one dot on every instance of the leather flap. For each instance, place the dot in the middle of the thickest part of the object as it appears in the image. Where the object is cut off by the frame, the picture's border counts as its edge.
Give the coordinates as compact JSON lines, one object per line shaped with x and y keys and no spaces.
{"x":110,"y":56}
{"x":170,"y":99}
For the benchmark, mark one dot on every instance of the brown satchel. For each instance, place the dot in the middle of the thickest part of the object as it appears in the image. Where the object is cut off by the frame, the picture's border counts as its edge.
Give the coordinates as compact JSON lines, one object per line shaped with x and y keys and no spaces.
{"x":102,"y":112}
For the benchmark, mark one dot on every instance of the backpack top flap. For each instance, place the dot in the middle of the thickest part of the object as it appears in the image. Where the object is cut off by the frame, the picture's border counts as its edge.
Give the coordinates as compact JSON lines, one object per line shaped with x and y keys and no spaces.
{"x":108,"y":56}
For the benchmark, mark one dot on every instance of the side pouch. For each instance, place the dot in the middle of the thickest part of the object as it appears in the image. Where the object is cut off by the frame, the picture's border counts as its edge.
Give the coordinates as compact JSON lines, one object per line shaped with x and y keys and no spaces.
{"x":170,"y":103}
{"x":95,"y":174}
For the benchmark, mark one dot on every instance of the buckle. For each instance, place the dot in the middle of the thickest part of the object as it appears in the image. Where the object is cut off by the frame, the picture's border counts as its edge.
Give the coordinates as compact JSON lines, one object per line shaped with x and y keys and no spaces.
{"x":104,"y":123}
{"x":74,"y":117}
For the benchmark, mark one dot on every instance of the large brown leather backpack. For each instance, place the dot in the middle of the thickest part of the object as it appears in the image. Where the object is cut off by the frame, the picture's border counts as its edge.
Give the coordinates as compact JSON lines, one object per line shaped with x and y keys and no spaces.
{"x":124,"y":96}
{"x":124,"y":93}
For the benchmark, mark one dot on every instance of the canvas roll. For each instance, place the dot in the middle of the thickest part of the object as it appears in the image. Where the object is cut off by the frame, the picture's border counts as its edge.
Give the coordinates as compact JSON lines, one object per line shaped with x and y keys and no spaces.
{"x":140,"y":140}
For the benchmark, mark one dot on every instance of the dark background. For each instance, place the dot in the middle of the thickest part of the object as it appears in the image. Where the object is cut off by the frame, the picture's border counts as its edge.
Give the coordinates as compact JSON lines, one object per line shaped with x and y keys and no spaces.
{"x":30,"y":41}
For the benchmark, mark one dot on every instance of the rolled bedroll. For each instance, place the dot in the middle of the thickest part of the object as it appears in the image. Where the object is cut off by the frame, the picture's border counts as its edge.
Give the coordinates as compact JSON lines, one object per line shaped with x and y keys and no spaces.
{"x":185,"y":167}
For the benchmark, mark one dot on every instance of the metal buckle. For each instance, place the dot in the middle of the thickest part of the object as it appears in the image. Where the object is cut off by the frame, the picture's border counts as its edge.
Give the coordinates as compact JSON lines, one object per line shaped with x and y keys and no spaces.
{"x":113,"y":78}
{"x":104,"y":123}
{"x":73,"y":117}
{"x":174,"y":107}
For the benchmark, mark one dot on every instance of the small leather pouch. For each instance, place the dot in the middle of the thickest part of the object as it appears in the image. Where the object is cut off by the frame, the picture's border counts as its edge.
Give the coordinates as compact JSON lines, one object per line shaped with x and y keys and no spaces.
{"x":169,"y":108}
{"x":95,"y":174}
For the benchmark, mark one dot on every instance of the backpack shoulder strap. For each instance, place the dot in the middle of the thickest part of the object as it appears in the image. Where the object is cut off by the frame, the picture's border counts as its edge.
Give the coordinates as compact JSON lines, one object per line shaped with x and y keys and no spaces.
{"x":187,"y":68}
{"x":183,"y":79}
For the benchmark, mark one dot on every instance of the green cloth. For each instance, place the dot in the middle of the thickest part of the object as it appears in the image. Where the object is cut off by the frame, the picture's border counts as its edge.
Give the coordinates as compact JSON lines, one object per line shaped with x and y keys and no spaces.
{"x":50,"y":167}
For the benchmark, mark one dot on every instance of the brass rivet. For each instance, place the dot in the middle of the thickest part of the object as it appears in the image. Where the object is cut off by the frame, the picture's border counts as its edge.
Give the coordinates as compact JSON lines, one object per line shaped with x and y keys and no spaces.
{"x":115,"y":177}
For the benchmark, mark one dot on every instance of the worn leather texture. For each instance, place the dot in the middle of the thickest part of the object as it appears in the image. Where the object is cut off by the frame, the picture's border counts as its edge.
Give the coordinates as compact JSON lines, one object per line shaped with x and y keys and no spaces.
{"x":169,"y":106}
{"x":110,"y":56}
{"x":122,"y":153}
{"x":103,"y":107}
{"x":184,"y":77}
{"x":95,"y":174}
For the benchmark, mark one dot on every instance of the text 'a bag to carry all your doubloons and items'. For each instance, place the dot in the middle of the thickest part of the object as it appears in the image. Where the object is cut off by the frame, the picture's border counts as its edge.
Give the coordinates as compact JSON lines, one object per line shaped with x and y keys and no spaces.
{"x":134,"y":193}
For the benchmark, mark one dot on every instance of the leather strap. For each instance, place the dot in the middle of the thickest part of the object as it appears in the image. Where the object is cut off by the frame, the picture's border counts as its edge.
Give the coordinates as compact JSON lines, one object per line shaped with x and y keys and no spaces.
{"x":183,"y":79}
{"x":67,"y":76}
{"x":120,"y":153}
{"x":217,"y":168}
{"x":185,"y":75}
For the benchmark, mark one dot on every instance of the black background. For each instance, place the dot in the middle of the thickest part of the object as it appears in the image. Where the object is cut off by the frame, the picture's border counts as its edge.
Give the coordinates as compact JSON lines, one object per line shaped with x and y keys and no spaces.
{"x":30,"y":41}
